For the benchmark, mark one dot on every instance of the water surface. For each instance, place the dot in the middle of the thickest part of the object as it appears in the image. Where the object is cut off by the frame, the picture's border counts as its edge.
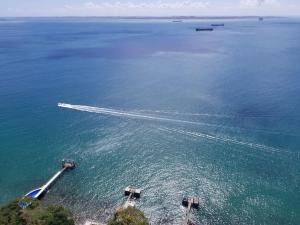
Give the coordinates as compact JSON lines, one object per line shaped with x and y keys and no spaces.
{"x":222,"y":116}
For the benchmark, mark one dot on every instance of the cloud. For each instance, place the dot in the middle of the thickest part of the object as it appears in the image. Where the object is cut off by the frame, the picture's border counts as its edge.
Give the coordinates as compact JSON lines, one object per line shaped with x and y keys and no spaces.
{"x":259,"y":3}
{"x":128,"y":8}
{"x":157,"y":5}
{"x":182,"y":8}
{"x":154,"y":8}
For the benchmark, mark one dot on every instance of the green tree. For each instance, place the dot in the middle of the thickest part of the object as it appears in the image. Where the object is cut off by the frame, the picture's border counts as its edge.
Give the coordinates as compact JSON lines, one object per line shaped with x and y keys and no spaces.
{"x":129,"y":216}
{"x":34,"y":214}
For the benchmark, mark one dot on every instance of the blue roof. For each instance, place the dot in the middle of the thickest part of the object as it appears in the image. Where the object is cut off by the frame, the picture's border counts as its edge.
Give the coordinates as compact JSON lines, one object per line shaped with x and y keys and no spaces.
{"x":33,"y":193}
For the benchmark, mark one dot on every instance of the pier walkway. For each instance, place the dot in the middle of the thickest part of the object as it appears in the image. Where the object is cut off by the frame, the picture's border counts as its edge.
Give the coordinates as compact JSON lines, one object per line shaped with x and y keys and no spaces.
{"x":38,"y":192}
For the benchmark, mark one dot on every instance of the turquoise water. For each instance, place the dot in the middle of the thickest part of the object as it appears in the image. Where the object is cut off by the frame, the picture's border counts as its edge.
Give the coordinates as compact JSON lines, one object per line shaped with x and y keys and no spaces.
{"x":179,"y":112}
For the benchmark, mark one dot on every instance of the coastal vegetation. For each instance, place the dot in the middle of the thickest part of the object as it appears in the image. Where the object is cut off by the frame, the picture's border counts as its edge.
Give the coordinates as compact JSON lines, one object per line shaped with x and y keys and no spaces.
{"x":129,"y":216}
{"x":34,"y":214}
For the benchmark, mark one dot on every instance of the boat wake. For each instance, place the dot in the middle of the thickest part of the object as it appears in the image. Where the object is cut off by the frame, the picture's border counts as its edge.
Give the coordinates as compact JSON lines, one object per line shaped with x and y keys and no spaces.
{"x":140,"y":114}
{"x":227,"y":140}
{"x":136,"y":115}
{"x":187,"y":114}
{"x":129,"y":114}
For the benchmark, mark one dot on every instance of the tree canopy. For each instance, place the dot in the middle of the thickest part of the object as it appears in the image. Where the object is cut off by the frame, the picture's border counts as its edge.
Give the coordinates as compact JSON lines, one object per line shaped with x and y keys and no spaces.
{"x":34,"y":214}
{"x":129,"y":216}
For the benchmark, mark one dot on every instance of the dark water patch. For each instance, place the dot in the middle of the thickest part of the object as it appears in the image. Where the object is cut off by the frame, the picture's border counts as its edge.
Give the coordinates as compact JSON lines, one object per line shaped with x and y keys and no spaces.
{"x":133,"y":48}
{"x":287,"y":23}
{"x":68,"y":36}
{"x":95,"y":53}
{"x":20,"y":61}
{"x":292,"y":50}
{"x":100,"y":32}
{"x":254,"y":111}
{"x":10,"y":44}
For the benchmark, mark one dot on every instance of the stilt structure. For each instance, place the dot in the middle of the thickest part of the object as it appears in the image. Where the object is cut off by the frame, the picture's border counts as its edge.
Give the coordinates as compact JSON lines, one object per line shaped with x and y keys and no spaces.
{"x":189,"y":203}
{"x":132,"y":193}
{"x":38,"y":192}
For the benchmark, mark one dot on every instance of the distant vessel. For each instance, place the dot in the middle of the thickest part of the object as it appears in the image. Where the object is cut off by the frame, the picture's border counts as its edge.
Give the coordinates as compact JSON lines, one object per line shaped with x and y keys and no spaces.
{"x":204,"y":29}
{"x":177,"y":21}
{"x":261,"y":19}
{"x":218,"y":25}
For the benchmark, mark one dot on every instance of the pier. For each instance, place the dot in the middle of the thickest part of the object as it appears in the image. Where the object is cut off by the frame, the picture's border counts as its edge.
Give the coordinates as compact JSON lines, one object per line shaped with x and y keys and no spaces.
{"x":189,"y":203}
{"x":38,"y":192}
{"x":132,"y":193}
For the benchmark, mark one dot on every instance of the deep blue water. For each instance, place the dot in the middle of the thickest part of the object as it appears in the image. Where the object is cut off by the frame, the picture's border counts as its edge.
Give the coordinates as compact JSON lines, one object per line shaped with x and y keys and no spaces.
{"x":224,"y":116}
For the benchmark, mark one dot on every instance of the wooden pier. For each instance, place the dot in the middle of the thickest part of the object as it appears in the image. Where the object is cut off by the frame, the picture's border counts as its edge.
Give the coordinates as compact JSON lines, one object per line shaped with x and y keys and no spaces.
{"x":39,"y":192}
{"x":132,"y":193}
{"x":189,"y":203}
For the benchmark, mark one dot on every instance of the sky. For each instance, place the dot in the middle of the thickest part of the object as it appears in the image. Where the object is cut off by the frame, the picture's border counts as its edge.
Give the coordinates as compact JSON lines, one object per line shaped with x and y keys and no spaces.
{"x":33,"y":8}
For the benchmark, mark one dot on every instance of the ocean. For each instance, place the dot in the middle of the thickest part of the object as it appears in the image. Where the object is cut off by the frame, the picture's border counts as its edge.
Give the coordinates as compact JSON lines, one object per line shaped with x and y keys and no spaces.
{"x":157,"y":105}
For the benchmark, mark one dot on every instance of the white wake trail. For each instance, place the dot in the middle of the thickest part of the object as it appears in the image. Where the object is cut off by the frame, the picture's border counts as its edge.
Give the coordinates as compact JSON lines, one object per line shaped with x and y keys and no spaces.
{"x":186,"y":113}
{"x":127,"y":114}
{"x":137,"y":115}
{"x":228,"y":140}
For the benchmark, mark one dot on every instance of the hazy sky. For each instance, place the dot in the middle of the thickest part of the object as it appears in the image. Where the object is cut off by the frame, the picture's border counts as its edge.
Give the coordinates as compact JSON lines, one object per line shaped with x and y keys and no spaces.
{"x":149,"y":7}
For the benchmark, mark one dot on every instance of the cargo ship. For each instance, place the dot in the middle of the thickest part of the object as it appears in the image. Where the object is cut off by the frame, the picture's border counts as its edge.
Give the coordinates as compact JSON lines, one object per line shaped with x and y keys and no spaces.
{"x":218,"y":25}
{"x":204,"y":29}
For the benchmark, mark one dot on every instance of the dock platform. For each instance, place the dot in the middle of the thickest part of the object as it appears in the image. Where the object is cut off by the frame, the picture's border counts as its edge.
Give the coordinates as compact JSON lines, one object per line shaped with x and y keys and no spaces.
{"x":39,"y":192}
{"x":189,"y":203}
{"x":133,"y":194}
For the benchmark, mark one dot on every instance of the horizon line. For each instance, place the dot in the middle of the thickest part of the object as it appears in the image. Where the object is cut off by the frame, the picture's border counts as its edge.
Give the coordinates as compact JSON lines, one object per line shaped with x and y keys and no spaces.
{"x":155,"y":17}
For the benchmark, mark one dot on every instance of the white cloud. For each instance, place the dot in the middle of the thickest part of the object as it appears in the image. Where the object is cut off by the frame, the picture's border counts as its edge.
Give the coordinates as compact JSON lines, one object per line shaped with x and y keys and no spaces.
{"x":157,"y":5}
{"x":157,"y":8}
{"x":182,"y":8}
{"x":129,"y":8}
{"x":259,"y":3}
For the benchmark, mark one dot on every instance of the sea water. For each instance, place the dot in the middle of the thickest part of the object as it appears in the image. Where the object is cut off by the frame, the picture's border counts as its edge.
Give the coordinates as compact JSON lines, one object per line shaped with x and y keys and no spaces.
{"x":157,"y":105}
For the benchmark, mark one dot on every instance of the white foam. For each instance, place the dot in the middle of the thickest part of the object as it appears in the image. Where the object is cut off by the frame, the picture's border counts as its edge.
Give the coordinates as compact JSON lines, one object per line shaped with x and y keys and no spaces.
{"x":223,"y":139}
{"x":186,"y":113}
{"x":135,"y":115}
{"x":129,"y":114}
{"x":221,"y":116}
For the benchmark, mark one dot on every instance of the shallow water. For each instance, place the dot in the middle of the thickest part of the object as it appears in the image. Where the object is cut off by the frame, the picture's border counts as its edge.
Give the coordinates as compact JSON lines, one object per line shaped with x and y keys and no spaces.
{"x":173,"y":111}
